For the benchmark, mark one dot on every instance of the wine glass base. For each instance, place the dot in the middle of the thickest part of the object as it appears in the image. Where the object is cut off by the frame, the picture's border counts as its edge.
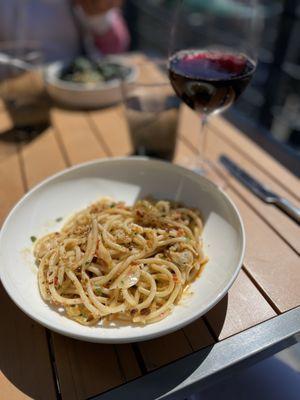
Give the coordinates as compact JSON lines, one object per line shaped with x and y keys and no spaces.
{"x":205,"y":167}
{"x":196,"y":164}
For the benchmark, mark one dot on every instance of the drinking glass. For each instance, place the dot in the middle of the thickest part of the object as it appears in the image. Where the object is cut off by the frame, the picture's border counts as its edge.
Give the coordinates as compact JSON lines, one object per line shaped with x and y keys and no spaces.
{"x":151,"y":110}
{"x":21,"y":82}
{"x":212,"y":56}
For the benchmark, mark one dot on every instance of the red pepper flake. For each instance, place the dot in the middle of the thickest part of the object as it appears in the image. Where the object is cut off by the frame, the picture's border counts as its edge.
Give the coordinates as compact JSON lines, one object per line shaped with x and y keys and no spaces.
{"x":94,"y":260}
{"x":55,"y":281}
{"x":145,"y":311}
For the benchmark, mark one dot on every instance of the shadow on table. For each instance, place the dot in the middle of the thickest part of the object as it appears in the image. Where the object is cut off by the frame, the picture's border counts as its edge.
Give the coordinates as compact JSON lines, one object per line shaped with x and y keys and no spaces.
{"x":24,"y":362}
{"x":23,"y":124}
{"x":215,"y":318}
{"x":176,"y":373}
{"x":73,"y":108}
{"x":28,"y":113}
{"x":23,"y":134}
{"x":26,"y":365}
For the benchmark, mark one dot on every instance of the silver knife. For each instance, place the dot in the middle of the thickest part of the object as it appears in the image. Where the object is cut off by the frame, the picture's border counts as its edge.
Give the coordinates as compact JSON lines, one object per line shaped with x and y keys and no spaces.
{"x":259,"y":189}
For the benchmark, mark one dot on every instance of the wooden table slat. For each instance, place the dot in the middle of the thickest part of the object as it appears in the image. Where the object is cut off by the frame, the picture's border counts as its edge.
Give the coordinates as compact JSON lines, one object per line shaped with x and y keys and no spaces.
{"x":252,"y":151}
{"x":7,"y":148}
{"x":77,"y":136}
{"x":242,"y":308}
{"x":42,"y":157}
{"x":11,"y":184}
{"x":165,"y":349}
{"x":85,"y":369}
{"x":198,"y":335}
{"x":271,"y":262}
{"x":128,"y":362}
{"x":111,"y":128}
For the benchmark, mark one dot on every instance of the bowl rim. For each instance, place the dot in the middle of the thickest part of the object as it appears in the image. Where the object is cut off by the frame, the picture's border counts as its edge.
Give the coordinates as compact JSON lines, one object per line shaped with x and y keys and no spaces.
{"x":134,"y":337}
{"x":52,"y":70}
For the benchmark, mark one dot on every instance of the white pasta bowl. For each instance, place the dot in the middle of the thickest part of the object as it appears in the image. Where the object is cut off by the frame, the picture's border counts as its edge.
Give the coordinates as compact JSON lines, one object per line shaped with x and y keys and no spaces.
{"x":125,"y":179}
{"x":92,"y":95}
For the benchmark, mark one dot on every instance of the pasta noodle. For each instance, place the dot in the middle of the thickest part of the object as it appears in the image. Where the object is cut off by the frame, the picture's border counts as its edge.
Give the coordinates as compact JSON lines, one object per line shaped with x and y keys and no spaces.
{"x":113,"y":262}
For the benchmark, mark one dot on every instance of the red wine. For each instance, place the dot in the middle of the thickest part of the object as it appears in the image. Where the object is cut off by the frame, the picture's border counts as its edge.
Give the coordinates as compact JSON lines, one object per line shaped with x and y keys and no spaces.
{"x":209,"y":81}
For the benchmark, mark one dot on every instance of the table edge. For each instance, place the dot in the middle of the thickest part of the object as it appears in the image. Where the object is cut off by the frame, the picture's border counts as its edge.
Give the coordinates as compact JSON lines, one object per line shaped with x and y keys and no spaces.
{"x":197,"y":370}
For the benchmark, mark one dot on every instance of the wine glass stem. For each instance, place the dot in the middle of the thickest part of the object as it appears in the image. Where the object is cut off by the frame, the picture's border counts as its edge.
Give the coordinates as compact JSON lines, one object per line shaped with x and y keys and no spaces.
{"x":202,"y":148}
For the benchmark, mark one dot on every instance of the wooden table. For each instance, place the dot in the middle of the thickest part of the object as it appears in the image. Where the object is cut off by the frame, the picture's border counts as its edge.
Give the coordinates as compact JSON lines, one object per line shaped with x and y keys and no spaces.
{"x":260,"y":314}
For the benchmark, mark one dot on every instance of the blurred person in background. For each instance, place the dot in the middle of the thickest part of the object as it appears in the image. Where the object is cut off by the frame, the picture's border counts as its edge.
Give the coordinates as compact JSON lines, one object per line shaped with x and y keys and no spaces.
{"x":66,"y":28}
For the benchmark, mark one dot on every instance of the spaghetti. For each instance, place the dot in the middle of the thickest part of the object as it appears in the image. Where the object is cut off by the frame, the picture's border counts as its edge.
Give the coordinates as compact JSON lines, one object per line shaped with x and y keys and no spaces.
{"x":114,"y":262}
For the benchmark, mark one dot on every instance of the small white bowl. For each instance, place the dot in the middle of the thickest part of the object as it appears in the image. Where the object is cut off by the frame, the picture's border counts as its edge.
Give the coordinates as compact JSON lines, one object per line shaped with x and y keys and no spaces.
{"x":124,"y":179}
{"x":90,"y":95}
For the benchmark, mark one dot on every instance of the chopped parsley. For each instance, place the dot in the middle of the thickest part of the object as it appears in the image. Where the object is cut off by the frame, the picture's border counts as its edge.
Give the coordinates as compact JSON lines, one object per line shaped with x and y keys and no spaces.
{"x":33,"y":238}
{"x":98,"y":291}
{"x":59,"y":219}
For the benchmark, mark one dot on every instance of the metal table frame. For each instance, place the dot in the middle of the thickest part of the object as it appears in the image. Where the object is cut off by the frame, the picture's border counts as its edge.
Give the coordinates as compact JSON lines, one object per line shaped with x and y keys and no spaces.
{"x":204,"y":367}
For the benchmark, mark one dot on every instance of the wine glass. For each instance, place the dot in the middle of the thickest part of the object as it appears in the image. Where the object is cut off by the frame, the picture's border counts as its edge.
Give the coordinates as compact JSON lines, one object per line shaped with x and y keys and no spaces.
{"x":212,"y":56}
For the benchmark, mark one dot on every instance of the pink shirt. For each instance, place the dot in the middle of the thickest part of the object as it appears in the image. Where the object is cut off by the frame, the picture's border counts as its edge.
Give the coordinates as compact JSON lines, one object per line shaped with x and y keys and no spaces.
{"x":59,"y":27}
{"x":107,"y":32}
{"x":116,"y":38}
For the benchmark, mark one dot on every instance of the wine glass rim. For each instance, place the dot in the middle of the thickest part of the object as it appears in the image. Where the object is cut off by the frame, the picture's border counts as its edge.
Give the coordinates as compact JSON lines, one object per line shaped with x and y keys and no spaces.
{"x":154,"y":84}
